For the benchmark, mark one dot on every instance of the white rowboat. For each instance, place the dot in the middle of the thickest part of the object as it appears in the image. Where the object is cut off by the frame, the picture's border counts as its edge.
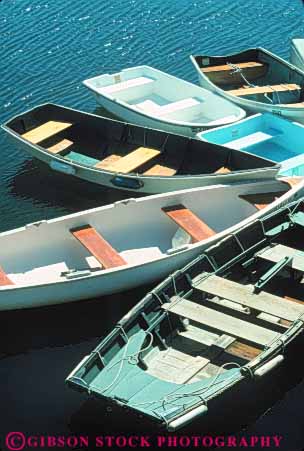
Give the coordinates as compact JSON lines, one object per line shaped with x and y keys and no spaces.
{"x":151,"y":98}
{"x":126,"y":244}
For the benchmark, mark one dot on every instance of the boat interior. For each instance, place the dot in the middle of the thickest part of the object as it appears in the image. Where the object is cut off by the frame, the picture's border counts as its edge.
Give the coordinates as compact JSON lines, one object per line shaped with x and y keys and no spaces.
{"x":218,"y":313}
{"x":104,"y":144}
{"x":168,"y":98}
{"x":86,"y":243}
{"x":265,"y":135}
{"x":255,"y":75}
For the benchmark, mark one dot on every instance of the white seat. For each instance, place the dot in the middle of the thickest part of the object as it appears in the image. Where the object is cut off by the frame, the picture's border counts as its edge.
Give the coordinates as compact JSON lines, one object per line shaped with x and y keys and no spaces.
{"x":139,"y":81}
{"x":176,"y":106}
{"x":249,"y":140}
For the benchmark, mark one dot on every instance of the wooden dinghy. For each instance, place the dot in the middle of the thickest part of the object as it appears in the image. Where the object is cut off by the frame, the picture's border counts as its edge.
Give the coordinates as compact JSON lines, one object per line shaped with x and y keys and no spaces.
{"x":266,"y":135}
{"x":227,"y":317}
{"x":151,"y":98}
{"x":256,"y":80}
{"x":126,"y":244}
{"x":129,"y":157}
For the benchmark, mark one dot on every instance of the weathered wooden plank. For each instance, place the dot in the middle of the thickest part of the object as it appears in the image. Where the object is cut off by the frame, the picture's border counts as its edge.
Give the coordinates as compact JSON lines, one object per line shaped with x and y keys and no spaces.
{"x":244,"y":295}
{"x":243,"y":350}
{"x":4,"y":280}
{"x":264,"y":89}
{"x":188,"y":221}
{"x":60,"y":146}
{"x":276,"y":253}
{"x":98,"y":246}
{"x":45,"y":131}
{"x":133,"y":160}
{"x":221,"y":321}
{"x":176,"y":366}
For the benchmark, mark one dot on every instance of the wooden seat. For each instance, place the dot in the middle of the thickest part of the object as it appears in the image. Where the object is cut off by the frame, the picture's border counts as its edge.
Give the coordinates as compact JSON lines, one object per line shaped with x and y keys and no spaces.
{"x":244,"y":295}
{"x":188,"y":221}
{"x":292,"y":181}
{"x":45,"y":131}
{"x":294,"y":105}
{"x":260,"y":200}
{"x":59,"y":147}
{"x":108,"y":161}
{"x":222,"y":170}
{"x":98,"y":246}
{"x":4,"y":280}
{"x":242,"y":350}
{"x":160,"y":170}
{"x":225,"y":67}
{"x":268,"y":89}
{"x":221,"y":321}
{"x":275,"y":254}
{"x":225,"y":74}
{"x":260,"y":206}
{"x":131,"y":161}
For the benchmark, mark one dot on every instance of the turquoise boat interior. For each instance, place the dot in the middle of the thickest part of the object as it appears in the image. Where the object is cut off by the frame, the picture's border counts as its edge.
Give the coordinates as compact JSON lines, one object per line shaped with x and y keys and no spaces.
{"x":264,"y":135}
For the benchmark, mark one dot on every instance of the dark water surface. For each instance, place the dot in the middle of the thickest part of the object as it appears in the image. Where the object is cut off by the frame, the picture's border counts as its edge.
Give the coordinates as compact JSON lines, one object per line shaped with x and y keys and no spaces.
{"x":47,"y":47}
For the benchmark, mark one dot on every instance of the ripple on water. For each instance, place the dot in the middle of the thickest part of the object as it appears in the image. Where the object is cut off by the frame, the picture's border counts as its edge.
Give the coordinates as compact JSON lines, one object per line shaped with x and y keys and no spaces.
{"x":47,"y":48}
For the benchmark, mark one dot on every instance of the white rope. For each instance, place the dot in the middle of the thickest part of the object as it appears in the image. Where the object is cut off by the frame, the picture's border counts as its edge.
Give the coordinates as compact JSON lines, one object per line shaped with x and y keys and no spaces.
{"x":237,"y":69}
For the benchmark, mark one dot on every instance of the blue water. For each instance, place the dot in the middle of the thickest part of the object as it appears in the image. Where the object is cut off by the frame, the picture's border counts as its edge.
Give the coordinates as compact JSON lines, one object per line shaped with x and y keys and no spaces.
{"x":47,"y":48}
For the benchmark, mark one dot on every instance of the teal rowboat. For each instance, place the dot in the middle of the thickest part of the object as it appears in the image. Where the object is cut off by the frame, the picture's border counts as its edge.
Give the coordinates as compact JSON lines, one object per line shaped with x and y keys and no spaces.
{"x":225,"y":318}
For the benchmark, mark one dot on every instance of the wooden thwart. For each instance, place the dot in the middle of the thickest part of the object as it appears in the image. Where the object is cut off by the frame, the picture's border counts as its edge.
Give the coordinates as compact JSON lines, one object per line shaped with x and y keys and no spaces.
{"x":59,"y":147}
{"x":226,"y":67}
{"x":244,"y":295}
{"x":226,"y":75}
{"x":275,"y":253}
{"x":108,"y":161}
{"x":264,"y":89}
{"x":261,"y":200}
{"x":4,"y":280}
{"x":188,"y":221}
{"x":222,"y":170}
{"x":243,"y":350}
{"x":294,"y":105}
{"x":161,"y":170}
{"x":98,"y":247}
{"x":133,"y":160}
{"x":222,"y":322}
{"x":45,"y":131}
